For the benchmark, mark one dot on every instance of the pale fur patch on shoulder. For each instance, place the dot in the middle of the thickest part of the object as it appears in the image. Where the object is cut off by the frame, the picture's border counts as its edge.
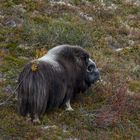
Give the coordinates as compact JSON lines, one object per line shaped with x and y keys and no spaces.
{"x":51,"y":59}
{"x":43,"y":58}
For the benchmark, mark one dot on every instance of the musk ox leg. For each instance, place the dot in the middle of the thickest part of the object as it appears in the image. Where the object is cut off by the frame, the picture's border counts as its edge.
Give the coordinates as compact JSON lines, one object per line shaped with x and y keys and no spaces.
{"x":28,"y":118}
{"x":36,"y":119}
{"x":68,"y":106}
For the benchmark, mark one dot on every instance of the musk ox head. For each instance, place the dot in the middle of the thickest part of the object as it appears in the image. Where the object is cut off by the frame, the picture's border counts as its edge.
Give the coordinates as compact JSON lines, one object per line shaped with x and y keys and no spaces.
{"x":54,"y":79}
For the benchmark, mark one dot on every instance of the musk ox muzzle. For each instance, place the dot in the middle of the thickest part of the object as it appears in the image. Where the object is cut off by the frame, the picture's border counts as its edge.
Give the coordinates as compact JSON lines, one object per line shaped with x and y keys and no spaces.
{"x":93,"y":74}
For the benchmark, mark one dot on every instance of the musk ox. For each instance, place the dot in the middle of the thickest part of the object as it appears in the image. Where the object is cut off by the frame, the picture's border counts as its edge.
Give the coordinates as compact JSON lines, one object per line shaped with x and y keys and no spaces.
{"x":52,"y":80}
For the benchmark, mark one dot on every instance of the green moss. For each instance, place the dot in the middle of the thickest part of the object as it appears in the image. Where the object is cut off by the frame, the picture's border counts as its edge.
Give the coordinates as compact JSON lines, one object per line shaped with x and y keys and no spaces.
{"x":134,"y":86}
{"x":14,"y":61}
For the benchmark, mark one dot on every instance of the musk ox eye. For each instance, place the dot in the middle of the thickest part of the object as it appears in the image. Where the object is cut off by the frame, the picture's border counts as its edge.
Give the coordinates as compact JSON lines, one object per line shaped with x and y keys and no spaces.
{"x":90,"y":68}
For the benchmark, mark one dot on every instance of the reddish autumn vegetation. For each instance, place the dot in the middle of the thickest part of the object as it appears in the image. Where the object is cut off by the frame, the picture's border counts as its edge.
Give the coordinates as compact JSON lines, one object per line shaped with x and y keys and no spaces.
{"x":109,"y":31}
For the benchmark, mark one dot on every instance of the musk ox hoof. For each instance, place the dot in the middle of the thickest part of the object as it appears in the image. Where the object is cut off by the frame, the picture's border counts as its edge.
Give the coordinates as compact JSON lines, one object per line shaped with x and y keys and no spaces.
{"x":69,"y":109}
{"x":36,"y":121}
{"x":28,"y":118}
{"x":68,"y":106}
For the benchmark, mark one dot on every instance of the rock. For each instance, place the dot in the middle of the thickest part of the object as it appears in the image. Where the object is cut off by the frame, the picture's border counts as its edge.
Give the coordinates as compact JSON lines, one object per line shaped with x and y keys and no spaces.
{"x":85,"y":16}
{"x":112,"y":43}
{"x":131,"y":42}
{"x":112,"y":7}
{"x":24,"y":46}
{"x":50,"y":126}
{"x":72,"y":139}
{"x":11,"y":23}
{"x":15,"y":22}
{"x":75,"y":8}
{"x":121,"y":49}
{"x":65,"y":128}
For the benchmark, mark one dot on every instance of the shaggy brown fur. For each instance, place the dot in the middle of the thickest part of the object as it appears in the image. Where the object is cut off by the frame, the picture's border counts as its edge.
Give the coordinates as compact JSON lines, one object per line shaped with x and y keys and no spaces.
{"x":52,"y":80}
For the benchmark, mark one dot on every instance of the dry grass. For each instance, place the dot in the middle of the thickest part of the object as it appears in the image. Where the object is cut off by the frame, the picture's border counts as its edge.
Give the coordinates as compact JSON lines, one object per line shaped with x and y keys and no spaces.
{"x":108,"y":110}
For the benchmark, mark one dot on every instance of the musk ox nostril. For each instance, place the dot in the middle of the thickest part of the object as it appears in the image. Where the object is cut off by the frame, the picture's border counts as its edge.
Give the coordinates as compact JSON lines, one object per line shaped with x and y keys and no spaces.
{"x":97,"y":75}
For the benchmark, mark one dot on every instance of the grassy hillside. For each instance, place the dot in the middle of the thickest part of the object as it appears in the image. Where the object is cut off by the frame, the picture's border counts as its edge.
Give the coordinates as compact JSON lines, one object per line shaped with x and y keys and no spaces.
{"x":110,"y":31}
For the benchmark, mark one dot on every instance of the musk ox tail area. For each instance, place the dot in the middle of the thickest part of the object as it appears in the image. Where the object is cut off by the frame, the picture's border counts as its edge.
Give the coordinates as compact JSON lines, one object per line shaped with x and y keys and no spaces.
{"x":33,"y":89}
